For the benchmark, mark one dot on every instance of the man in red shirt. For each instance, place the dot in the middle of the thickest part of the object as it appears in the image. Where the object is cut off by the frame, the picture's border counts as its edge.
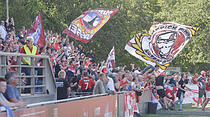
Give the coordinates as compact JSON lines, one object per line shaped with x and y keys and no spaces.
{"x":29,"y":49}
{"x":86,"y":84}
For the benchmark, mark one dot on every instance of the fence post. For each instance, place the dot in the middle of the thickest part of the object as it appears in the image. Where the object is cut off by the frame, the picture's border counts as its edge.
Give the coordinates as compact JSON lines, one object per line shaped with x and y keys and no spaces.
{"x":120,"y":102}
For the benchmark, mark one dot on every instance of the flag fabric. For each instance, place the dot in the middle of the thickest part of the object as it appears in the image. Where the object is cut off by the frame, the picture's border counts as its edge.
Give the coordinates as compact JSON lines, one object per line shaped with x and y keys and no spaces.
{"x":162,"y":45}
{"x":111,"y":61}
{"x":86,"y":25}
{"x":37,"y":31}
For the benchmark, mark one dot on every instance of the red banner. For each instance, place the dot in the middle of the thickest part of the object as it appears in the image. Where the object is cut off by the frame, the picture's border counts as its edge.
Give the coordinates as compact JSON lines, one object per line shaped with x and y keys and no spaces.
{"x":86,"y":25}
{"x":130,"y":104}
{"x":37,"y":31}
{"x":104,"y":106}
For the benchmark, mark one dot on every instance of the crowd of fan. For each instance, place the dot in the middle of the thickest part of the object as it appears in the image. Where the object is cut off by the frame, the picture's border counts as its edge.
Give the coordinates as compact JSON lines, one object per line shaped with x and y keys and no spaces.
{"x":77,"y":73}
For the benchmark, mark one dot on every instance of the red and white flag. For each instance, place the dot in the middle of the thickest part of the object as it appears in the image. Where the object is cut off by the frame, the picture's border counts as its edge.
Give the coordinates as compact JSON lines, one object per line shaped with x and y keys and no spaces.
{"x":111,"y":60}
{"x":86,"y":25}
{"x":37,"y":31}
{"x":130,"y":104}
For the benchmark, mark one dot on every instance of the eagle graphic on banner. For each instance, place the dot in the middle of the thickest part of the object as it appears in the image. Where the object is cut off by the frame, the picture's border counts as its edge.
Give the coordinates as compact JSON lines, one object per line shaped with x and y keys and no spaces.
{"x":162,"y":45}
{"x":86,"y":25}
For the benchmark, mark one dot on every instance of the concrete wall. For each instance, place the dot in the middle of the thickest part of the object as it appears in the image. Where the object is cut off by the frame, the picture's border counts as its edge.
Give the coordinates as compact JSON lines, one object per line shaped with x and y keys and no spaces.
{"x":145,"y":97}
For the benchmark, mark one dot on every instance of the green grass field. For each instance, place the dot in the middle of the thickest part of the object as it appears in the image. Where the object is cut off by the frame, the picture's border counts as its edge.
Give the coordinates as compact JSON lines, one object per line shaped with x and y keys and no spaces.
{"x":186,"y":107}
{"x":164,"y":115}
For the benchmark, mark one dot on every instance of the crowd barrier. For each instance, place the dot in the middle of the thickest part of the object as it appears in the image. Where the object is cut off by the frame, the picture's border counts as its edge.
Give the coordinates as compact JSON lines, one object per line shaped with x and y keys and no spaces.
{"x":39,"y":82}
{"x":122,"y":104}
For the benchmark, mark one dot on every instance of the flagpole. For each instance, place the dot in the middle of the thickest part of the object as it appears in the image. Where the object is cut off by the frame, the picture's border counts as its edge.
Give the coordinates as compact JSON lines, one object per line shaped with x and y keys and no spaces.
{"x":7,"y":2}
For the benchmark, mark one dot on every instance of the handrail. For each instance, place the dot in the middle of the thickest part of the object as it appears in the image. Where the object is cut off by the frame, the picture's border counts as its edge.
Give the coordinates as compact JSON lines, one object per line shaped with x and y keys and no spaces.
{"x":73,"y":99}
{"x":23,"y":55}
{"x":46,"y":82}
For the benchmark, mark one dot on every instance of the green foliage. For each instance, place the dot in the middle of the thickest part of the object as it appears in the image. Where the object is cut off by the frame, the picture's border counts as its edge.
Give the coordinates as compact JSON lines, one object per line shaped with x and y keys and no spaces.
{"x":195,"y":56}
{"x":133,"y":17}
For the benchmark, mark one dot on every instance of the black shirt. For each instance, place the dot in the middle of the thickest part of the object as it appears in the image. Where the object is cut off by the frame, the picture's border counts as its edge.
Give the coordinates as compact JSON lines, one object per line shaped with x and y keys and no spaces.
{"x":74,"y":80}
{"x":62,"y":86}
{"x":183,"y":84}
{"x":159,"y":81}
{"x":172,"y":81}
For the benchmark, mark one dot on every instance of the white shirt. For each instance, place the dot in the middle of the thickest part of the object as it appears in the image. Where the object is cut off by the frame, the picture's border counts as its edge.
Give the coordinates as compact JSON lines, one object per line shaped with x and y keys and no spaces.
{"x":3,"y":32}
{"x":110,"y":84}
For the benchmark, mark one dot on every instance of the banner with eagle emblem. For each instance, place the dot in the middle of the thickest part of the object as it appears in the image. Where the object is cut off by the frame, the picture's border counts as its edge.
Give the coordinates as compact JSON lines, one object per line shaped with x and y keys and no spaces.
{"x":162,"y":45}
{"x":86,"y":25}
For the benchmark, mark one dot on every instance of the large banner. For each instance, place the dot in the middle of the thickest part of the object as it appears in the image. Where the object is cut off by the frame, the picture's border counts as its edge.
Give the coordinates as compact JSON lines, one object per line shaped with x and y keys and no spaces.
{"x":37,"y":31}
{"x":191,"y":97}
{"x":130,"y":104}
{"x":104,"y":106}
{"x":86,"y":25}
{"x":162,"y":45}
{"x":111,"y":60}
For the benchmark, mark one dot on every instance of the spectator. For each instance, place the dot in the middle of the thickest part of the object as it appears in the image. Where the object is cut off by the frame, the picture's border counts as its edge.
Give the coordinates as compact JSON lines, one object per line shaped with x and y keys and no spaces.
{"x":181,"y":91}
{"x":74,"y":82}
{"x":28,"y":49}
{"x":201,"y":87}
{"x":92,"y":56}
{"x":207,"y":92}
{"x":99,"y":85}
{"x":3,"y":100}
{"x":63,"y":87}
{"x":159,"y":79}
{"x":109,"y":85}
{"x":86,"y":84}
{"x":11,"y":93}
{"x":3,"y":32}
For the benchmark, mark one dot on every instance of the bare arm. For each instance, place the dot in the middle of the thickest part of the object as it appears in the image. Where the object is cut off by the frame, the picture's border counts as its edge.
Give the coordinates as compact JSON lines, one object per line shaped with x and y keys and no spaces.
{"x":68,"y":91}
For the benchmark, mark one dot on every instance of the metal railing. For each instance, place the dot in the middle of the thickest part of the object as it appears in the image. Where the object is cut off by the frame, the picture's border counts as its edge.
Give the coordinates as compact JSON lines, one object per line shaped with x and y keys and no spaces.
{"x":38,"y":81}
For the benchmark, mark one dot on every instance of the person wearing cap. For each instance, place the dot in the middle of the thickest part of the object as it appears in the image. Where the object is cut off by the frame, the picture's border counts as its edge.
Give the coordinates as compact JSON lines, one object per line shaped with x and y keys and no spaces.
{"x":12,"y":93}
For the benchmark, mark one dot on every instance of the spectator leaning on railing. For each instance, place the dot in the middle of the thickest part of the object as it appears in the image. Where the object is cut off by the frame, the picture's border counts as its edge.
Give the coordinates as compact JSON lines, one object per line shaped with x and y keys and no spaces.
{"x":3,"y":100}
{"x":11,"y":93}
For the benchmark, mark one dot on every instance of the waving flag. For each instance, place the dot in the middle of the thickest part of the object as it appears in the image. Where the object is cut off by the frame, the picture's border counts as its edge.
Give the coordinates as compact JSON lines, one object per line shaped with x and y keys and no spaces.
{"x":86,"y":25}
{"x":111,"y":60}
{"x":162,"y":45}
{"x":37,"y":31}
